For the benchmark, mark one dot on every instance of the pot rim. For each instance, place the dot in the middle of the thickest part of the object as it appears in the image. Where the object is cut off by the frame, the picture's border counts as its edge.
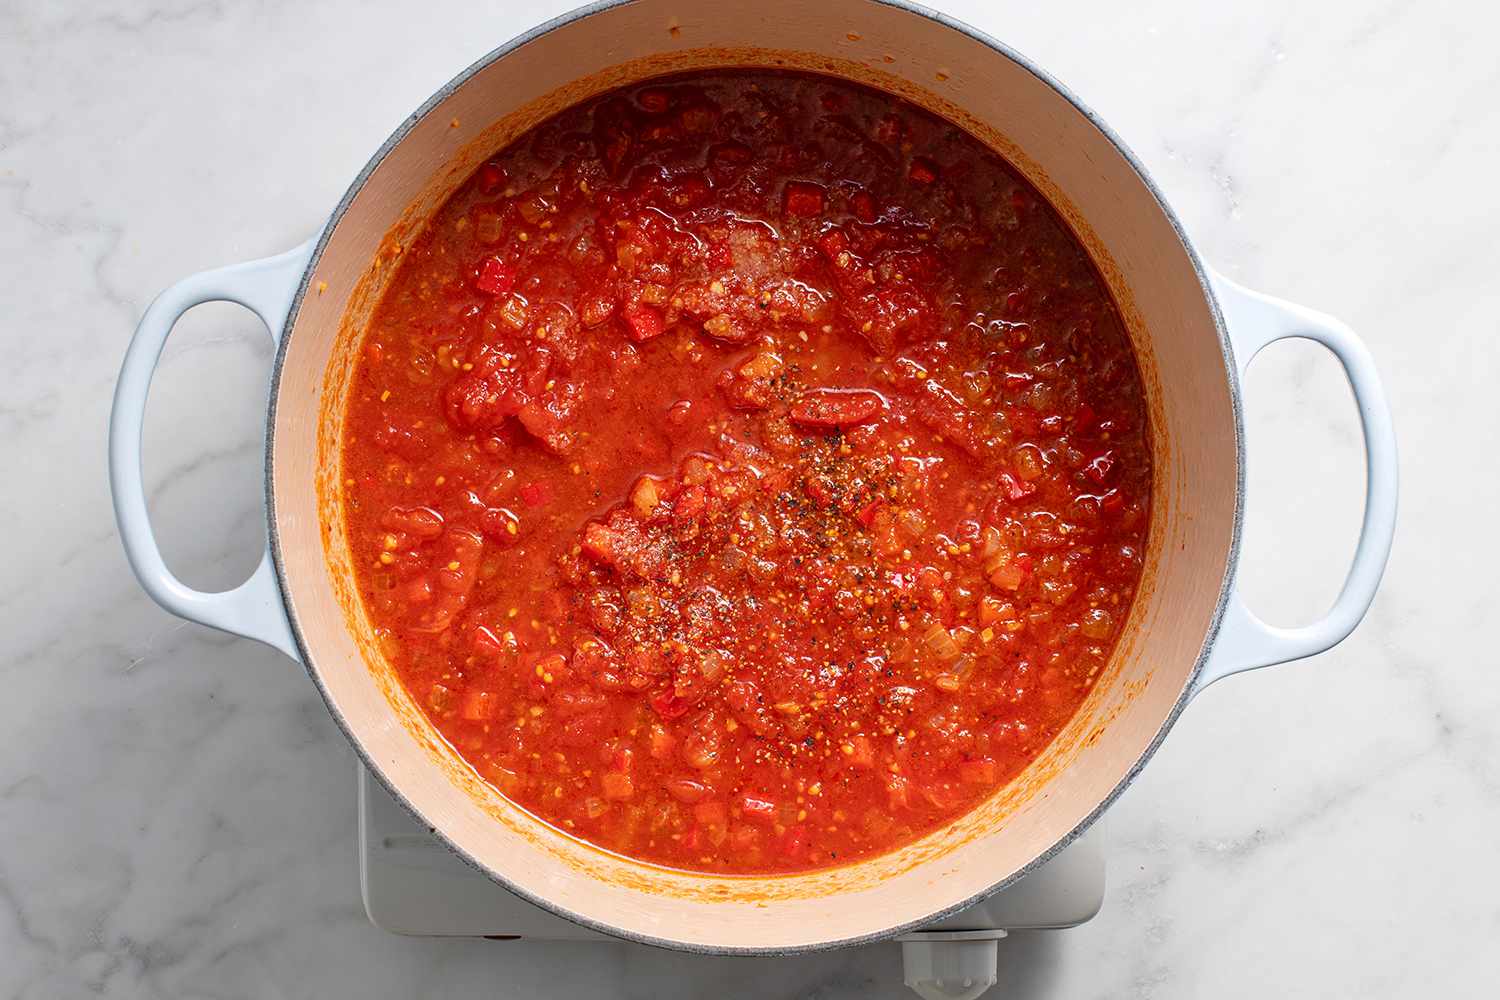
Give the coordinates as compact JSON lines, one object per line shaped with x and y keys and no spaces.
{"x":1231,"y":372}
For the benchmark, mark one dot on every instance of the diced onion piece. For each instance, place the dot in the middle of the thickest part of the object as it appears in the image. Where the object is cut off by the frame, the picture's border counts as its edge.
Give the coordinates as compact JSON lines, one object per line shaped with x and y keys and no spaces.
{"x":1028,"y":462}
{"x":1009,"y":576}
{"x":645,"y":497}
{"x":1097,"y":623}
{"x":616,"y":785}
{"x":902,"y":650}
{"x":479,"y":706}
{"x":939,"y":642}
{"x":711,"y":666}
{"x":991,"y":544}
{"x":912,"y":523}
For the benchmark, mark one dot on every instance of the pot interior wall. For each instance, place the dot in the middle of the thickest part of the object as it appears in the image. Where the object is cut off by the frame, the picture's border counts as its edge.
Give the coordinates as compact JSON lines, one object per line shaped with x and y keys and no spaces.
{"x":1194,"y":433}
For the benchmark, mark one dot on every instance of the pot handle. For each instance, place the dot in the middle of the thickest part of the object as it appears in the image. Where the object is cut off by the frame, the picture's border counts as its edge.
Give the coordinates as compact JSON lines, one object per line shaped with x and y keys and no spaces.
{"x":1244,"y":641}
{"x":254,"y":609}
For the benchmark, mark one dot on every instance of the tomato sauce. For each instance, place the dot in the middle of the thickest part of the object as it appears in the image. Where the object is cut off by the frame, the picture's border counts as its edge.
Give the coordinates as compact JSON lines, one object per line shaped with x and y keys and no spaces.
{"x":747,"y":472}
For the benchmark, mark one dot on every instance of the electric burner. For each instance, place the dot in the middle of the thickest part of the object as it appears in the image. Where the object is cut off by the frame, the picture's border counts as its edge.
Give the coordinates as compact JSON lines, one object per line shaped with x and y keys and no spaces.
{"x":412,"y":884}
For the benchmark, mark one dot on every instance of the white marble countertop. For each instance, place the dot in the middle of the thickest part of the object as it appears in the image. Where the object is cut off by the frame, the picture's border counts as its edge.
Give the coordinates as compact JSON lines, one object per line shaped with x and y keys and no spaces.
{"x":176,"y":808}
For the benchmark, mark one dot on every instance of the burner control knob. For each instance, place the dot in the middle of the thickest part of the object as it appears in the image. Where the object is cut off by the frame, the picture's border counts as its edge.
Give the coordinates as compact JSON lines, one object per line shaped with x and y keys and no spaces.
{"x":950,"y":965}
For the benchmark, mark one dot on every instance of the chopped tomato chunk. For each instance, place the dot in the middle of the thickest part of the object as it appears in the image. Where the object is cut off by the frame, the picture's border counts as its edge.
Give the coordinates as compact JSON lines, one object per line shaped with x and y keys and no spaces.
{"x":802,"y":199}
{"x":836,"y":407}
{"x":496,"y":277}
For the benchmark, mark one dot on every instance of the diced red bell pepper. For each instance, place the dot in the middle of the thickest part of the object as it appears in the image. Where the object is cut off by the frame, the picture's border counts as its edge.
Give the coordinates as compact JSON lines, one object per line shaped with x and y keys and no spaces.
{"x":866,"y":514}
{"x":644,"y":323}
{"x":1083,"y":417}
{"x":863,"y":204}
{"x":496,"y":277}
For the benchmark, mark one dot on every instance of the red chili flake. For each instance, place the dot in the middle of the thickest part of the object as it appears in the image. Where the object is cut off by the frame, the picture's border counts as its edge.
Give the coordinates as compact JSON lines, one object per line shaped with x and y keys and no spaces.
{"x":644,"y":323}
{"x":802,"y":199}
{"x":496,"y":277}
{"x":923,"y":171}
{"x":1083,"y":417}
{"x":535,"y":494}
{"x":867,"y":513}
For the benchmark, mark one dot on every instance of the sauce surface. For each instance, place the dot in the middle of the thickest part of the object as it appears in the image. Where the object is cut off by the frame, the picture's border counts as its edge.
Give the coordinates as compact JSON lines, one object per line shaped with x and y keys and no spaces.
{"x":747,"y":472}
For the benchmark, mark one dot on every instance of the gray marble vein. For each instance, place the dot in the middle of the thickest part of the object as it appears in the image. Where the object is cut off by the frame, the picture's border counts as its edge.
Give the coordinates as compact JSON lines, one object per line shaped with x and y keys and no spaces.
{"x":177,"y":812}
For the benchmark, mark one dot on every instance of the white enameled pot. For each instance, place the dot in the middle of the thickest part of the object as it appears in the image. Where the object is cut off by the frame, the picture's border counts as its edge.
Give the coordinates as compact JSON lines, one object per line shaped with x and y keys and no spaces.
{"x":1193,"y":331}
